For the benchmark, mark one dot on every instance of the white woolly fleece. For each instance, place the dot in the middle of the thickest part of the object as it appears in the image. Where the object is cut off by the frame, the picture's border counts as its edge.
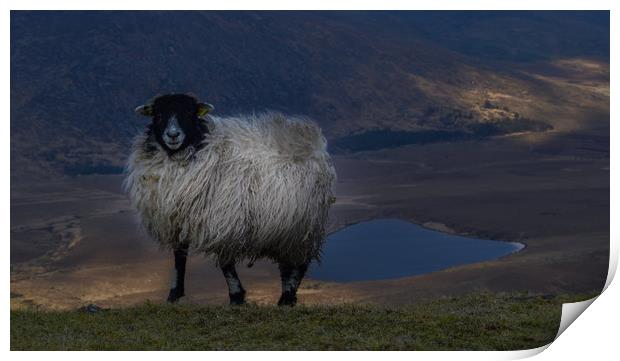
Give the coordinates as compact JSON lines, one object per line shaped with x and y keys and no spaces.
{"x":260,"y":187}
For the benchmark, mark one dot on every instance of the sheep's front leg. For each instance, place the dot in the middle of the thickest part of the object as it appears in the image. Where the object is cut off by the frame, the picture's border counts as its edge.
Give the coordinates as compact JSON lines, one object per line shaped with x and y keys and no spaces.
{"x":235,"y":289}
{"x":178,"y":275}
{"x":291,"y":276}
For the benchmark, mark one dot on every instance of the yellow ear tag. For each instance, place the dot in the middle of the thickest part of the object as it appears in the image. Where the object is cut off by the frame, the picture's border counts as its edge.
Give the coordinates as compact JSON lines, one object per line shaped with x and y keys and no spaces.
{"x":146,"y":110}
{"x":204,"y":109}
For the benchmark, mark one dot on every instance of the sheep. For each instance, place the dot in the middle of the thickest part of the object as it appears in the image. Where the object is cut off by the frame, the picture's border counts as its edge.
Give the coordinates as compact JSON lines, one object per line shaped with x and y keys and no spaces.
{"x":234,"y":188}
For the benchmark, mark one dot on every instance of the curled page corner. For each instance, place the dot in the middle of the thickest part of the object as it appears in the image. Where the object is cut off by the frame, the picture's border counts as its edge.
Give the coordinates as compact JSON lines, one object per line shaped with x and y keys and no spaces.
{"x":570,"y":312}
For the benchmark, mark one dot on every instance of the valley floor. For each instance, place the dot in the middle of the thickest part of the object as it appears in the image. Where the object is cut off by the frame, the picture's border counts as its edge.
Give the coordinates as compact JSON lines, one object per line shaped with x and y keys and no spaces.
{"x":75,"y":241}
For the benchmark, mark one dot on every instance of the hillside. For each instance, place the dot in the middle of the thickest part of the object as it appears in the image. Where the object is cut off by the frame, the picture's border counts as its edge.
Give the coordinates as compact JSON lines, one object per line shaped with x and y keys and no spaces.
{"x":473,"y":322}
{"x":75,"y":76}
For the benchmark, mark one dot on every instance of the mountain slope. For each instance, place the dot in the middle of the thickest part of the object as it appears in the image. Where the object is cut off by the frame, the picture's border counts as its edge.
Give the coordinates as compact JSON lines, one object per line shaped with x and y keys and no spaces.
{"x":76,"y":76}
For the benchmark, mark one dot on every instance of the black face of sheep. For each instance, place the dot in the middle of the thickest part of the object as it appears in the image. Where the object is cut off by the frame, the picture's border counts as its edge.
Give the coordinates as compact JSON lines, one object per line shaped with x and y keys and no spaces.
{"x":175,"y":121}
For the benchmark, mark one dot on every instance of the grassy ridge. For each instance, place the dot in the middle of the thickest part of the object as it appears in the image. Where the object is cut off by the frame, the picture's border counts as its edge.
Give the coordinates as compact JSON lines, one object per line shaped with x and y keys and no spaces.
{"x":474,"y":322}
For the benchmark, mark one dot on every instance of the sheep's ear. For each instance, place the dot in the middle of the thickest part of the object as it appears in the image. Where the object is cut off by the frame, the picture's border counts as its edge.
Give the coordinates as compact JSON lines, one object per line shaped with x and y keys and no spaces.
{"x":146,"y":110}
{"x":204,"y":109}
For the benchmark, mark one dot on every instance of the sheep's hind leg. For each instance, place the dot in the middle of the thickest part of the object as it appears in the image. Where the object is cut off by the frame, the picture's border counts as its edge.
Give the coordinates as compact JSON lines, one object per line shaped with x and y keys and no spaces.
{"x":235,"y":289}
{"x":291,"y":276}
{"x":178,"y":278}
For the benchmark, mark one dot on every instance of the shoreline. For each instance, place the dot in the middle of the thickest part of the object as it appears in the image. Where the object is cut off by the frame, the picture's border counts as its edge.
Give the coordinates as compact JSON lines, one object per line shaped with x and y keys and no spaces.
{"x":519,"y":246}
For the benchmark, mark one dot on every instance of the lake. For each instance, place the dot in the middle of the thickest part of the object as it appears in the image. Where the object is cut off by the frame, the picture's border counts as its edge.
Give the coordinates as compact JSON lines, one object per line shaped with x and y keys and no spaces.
{"x":391,"y":248}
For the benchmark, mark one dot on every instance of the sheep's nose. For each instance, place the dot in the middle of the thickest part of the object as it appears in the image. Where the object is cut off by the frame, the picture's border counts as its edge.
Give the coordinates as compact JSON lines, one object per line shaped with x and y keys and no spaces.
{"x":173,"y":133}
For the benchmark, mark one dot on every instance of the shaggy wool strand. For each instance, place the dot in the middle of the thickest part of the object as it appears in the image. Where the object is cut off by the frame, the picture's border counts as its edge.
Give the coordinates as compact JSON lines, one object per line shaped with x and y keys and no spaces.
{"x":260,"y":186}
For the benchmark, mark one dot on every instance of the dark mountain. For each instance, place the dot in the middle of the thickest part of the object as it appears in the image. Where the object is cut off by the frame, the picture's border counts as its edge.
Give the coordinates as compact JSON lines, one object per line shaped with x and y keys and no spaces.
{"x":76,"y":76}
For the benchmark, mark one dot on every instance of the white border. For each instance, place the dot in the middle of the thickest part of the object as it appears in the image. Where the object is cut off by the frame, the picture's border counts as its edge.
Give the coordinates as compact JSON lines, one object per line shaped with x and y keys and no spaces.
{"x":597,"y":328}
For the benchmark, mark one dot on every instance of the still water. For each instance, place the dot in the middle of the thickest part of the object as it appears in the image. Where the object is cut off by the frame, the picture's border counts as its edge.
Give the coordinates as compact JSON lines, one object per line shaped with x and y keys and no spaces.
{"x":392,"y":248}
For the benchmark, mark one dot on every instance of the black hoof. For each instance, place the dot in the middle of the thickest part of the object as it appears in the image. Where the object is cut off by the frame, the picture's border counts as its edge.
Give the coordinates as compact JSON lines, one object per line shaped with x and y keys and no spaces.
{"x":237,"y":299}
{"x":175,"y":295}
{"x":287,"y":299}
